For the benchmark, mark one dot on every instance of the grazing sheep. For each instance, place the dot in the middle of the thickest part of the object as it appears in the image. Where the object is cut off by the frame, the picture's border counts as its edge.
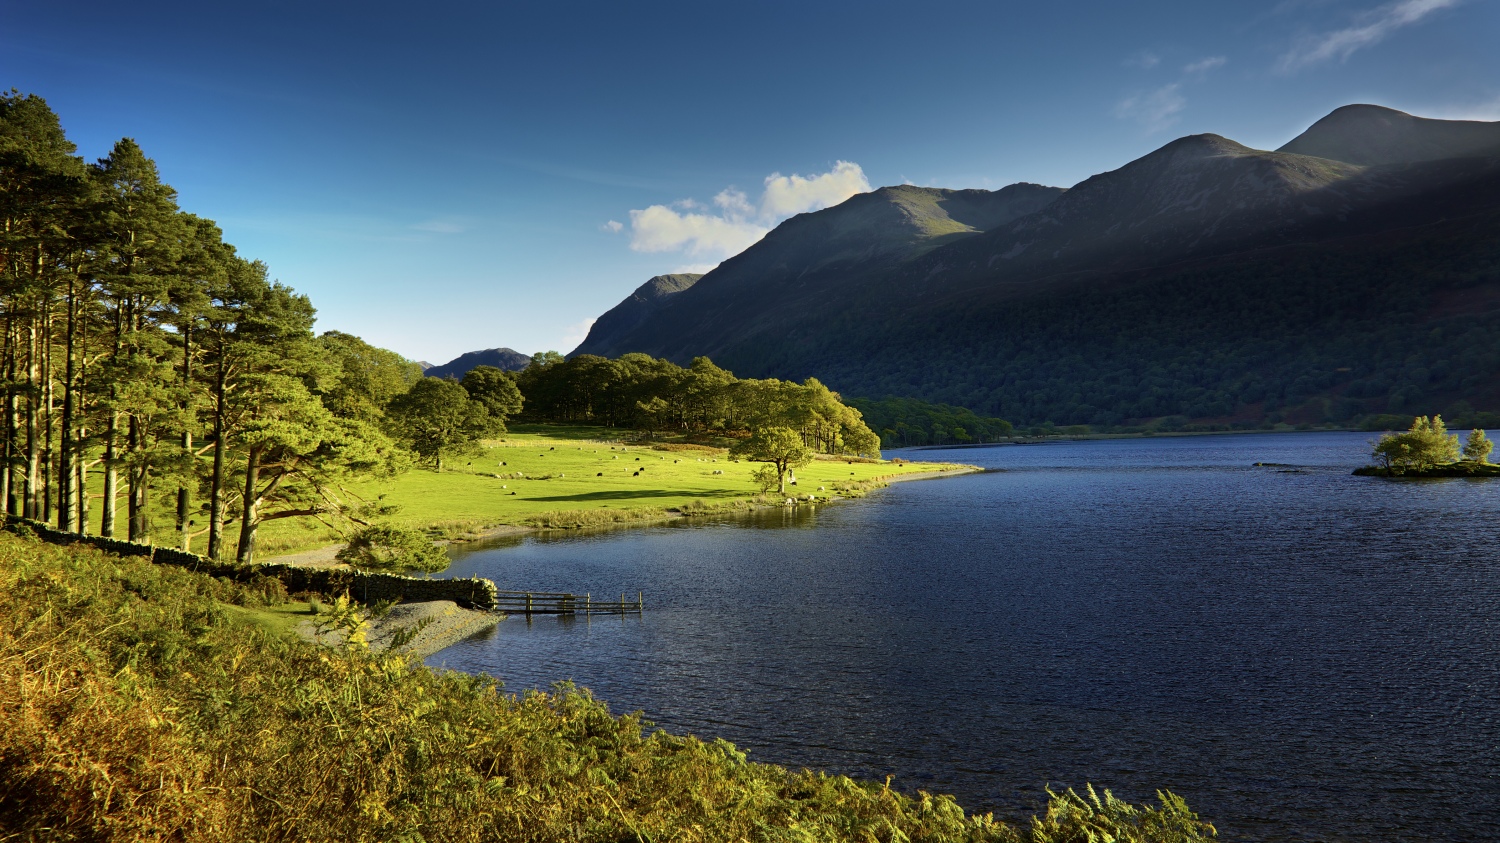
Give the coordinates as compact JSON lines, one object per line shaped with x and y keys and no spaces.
{"x":637,"y":474}
{"x":600,"y":474}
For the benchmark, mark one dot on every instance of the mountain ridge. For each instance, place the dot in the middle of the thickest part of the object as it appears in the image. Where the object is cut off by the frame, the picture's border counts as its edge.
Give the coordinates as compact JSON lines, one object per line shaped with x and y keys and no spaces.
{"x":507,"y":359}
{"x":869,"y":296}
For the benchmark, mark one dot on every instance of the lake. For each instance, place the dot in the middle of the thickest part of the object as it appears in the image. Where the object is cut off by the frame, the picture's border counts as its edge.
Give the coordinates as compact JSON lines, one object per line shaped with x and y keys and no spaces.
{"x":1302,"y":654}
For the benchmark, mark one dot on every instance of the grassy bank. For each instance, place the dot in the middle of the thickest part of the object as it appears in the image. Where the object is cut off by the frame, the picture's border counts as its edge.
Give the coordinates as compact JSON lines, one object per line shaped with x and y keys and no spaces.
{"x":135,"y":704}
{"x":1464,"y":468}
{"x":569,"y":476}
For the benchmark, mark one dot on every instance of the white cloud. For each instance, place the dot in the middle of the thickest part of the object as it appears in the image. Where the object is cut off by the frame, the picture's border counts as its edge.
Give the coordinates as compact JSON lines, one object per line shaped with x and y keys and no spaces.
{"x":734,"y":202}
{"x":1144,"y":60}
{"x":1156,"y":110}
{"x":661,"y":229}
{"x":576,"y":333}
{"x":695,"y":268}
{"x":794,"y":194}
{"x":1203,"y":66}
{"x":735,"y":222}
{"x":613,"y":226}
{"x":1368,"y":29}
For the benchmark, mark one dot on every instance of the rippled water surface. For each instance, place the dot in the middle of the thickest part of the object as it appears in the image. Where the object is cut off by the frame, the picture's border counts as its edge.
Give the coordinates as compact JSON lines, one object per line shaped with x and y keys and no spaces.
{"x":1302,"y":654}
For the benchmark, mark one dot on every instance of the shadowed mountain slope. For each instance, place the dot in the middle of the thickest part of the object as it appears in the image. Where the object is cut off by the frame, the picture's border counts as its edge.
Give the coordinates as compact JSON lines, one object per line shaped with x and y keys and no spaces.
{"x":501,"y":358}
{"x":1205,"y":280}
{"x":806,"y":262}
{"x":617,"y":324}
{"x":1372,"y":134}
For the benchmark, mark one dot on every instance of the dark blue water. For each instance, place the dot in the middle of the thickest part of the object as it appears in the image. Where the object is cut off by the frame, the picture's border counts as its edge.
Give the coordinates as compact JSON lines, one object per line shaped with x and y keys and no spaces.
{"x":1302,"y":654}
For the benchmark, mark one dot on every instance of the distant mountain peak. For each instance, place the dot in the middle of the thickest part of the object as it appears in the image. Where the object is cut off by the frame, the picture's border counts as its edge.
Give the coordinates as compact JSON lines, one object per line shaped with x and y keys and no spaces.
{"x":1205,"y":145}
{"x":807,"y":262}
{"x":1369,"y":135}
{"x":501,"y":358}
{"x":626,"y":316}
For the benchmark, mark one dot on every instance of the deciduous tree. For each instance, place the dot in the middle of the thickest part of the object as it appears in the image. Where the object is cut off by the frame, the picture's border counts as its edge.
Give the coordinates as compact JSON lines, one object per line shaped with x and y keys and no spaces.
{"x":781,"y":447}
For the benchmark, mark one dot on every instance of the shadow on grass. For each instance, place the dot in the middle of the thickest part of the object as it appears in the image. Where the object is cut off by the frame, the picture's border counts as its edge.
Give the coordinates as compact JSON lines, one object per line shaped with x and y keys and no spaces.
{"x":569,"y":431}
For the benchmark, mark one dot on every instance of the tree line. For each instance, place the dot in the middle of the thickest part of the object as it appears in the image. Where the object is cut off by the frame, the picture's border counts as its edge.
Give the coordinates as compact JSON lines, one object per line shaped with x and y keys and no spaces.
{"x":143,"y":359}
{"x":144,"y":362}
{"x":643,"y":393}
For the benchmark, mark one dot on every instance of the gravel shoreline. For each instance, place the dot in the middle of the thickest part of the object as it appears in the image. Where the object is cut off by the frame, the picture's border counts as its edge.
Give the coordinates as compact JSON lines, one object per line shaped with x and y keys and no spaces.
{"x":438,"y":624}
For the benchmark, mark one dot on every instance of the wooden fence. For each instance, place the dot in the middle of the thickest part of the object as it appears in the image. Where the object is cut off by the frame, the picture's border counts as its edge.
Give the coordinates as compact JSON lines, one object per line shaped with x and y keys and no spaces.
{"x":564,"y":603}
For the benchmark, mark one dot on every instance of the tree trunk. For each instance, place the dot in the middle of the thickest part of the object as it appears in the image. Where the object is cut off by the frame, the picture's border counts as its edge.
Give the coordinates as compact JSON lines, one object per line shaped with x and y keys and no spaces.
{"x":216,"y":482}
{"x":184,"y":496}
{"x":30,"y":505}
{"x":250,"y":508}
{"x":111,"y":437}
{"x":140,"y":524}
{"x":65,"y":471}
{"x":48,"y":396}
{"x":7,"y":471}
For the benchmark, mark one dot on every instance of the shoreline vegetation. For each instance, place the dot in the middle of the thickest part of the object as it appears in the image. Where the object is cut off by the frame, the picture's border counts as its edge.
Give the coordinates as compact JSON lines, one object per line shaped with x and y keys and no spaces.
{"x":138,"y":702}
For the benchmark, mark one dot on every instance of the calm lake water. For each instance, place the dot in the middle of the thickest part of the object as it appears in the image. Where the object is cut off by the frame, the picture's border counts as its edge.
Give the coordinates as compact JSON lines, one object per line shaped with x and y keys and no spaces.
{"x":1302,"y":654}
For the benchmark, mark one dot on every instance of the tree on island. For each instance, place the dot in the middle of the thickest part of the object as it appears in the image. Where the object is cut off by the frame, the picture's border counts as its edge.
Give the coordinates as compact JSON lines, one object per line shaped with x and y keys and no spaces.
{"x":1478,"y":446}
{"x":780,"y":447}
{"x":1425,"y":445}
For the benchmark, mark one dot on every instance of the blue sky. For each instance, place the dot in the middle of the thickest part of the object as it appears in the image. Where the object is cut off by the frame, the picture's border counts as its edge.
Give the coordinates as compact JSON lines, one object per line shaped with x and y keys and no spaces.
{"x":447,"y":176}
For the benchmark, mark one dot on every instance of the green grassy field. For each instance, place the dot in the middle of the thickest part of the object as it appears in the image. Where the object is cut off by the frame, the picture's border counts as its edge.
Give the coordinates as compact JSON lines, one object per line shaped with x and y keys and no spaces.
{"x":563,"y":476}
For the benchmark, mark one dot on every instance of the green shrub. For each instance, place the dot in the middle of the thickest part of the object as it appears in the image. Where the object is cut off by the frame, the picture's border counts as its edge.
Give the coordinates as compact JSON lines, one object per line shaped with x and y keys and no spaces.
{"x":388,"y":548}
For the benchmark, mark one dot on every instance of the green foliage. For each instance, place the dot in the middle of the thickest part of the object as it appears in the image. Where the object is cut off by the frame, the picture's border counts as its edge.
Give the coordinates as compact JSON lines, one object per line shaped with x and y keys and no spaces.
{"x":644,"y":393}
{"x":437,"y":418}
{"x":781,"y":447}
{"x":496,"y":390}
{"x":1477,"y":447}
{"x":903,"y":422}
{"x":767,"y":478}
{"x":134,"y":705}
{"x":364,"y":378}
{"x":388,"y":548}
{"x":1071,"y":818}
{"x":1425,"y":445}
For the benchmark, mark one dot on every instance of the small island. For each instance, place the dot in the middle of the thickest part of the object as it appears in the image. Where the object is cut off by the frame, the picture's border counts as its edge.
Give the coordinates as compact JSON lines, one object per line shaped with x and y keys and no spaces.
{"x":1427,"y":450}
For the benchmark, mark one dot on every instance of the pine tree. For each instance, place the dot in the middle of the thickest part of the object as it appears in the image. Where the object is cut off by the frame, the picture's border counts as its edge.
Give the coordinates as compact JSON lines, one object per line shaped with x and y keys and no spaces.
{"x":1478,"y":446}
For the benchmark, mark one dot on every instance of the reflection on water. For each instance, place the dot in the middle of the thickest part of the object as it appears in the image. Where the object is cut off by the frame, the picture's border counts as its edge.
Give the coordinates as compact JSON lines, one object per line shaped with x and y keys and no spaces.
{"x":1303,"y":654}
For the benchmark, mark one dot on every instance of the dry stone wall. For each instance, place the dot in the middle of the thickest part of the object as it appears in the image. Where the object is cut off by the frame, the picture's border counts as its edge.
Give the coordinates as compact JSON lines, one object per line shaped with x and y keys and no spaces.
{"x":363,"y":586}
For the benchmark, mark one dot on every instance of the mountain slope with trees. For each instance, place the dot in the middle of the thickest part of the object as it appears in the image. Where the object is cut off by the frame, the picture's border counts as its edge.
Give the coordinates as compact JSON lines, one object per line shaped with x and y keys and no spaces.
{"x":1206,"y":283}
